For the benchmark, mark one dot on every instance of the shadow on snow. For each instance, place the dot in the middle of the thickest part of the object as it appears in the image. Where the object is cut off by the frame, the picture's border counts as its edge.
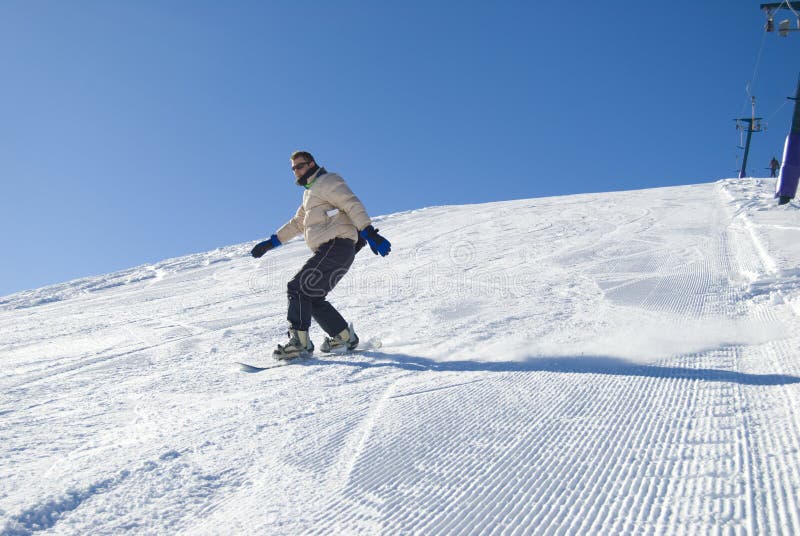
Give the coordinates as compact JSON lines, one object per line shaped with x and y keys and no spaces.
{"x":566,"y":365}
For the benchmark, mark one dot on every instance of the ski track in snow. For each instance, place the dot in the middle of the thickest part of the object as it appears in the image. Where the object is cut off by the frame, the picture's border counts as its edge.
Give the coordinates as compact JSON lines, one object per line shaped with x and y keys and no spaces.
{"x":621,"y":363}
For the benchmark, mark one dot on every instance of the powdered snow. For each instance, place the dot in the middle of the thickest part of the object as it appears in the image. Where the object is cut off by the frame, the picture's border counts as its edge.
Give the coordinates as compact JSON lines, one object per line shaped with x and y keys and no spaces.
{"x":607,"y":363}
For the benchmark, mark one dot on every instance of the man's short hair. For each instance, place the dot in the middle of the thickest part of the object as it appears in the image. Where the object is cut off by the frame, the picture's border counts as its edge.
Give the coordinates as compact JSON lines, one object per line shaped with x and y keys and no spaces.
{"x":303,"y":154}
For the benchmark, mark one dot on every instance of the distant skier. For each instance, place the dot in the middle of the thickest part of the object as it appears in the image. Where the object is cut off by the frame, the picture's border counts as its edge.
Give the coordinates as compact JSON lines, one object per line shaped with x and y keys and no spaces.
{"x":773,"y":167}
{"x":335,"y":225}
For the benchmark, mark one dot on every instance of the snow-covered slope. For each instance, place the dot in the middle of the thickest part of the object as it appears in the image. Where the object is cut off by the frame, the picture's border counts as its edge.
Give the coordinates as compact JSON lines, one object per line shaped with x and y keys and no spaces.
{"x":607,"y":363}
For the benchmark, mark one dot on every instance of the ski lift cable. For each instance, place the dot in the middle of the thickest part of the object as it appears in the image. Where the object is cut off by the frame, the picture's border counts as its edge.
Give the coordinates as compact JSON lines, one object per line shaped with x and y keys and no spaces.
{"x":752,"y":82}
{"x":778,"y":110}
{"x":758,"y":59}
{"x":789,"y":5}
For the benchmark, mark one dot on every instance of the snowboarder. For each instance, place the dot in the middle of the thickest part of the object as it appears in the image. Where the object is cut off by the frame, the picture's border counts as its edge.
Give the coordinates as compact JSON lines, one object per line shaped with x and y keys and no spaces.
{"x":773,"y":167}
{"x":335,"y":225}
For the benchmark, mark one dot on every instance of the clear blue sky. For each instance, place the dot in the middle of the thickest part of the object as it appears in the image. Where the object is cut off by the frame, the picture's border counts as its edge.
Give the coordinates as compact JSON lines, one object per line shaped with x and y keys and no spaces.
{"x":133,"y":131}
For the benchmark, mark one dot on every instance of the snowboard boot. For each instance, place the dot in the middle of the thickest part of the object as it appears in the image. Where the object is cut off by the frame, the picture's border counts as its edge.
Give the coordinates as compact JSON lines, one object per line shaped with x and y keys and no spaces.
{"x":347,"y":339}
{"x":299,"y":345}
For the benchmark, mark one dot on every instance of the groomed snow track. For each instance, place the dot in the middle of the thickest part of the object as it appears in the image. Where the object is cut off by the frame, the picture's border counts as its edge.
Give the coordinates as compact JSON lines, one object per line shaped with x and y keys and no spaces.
{"x":621,"y":363}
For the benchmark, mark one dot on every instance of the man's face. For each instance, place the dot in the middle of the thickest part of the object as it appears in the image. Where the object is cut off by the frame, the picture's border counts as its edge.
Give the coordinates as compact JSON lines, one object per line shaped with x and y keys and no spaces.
{"x":300,"y":166}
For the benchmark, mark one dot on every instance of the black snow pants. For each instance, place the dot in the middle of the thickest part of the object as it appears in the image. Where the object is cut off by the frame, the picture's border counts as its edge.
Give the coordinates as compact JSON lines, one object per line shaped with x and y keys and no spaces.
{"x":309,"y":287}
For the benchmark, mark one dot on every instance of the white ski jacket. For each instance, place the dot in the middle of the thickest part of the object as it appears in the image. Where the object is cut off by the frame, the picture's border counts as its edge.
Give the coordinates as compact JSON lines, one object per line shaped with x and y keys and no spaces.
{"x":329,"y":210}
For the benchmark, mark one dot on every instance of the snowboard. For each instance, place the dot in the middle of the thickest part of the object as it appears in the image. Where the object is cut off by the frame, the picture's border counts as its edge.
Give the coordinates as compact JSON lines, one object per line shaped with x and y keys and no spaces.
{"x":247,"y":367}
{"x":367,"y":345}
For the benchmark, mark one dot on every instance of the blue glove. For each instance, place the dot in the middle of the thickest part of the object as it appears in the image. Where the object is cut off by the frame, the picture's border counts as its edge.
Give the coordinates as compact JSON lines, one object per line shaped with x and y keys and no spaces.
{"x":266,"y":245}
{"x":378,"y":244}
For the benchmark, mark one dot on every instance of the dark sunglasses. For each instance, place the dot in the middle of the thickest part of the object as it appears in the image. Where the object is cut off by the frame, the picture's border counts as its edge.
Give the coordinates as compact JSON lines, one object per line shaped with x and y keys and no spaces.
{"x":301,"y":165}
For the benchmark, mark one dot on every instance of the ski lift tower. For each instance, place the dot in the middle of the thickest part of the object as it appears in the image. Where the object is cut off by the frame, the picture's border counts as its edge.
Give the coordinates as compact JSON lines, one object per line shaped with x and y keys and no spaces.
{"x":748,"y":124}
{"x":789,"y":177}
{"x":784,"y":26}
